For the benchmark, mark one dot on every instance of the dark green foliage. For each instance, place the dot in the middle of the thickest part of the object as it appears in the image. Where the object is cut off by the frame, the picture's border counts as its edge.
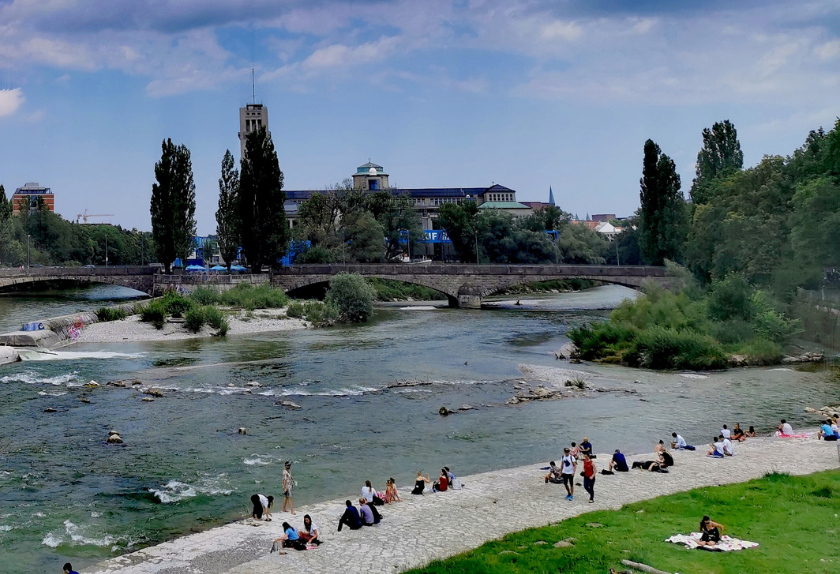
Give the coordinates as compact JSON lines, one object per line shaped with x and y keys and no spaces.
{"x":751,"y":511}
{"x":363,"y":238}
{"x":249,"y":297}
{"x":658,"y":348}
{"x":352,"y":297}
{"x":391,"y":290}
{"x":154,"y":313}
{"x":730,"y":299}
{"x":195,"y":319}
{"x":262,"y":217}
{"x":176,"y":304}
{"x":227,"y":215}
{"x":105,"y":314}
{"x":317,"y":254}
{"x":316,"y":312}
{"x":460,"y":222}
{"x":662,"y":216}
{"x":721,"y":155}
{"x":205,"y":295}
{"x":173,"y":204}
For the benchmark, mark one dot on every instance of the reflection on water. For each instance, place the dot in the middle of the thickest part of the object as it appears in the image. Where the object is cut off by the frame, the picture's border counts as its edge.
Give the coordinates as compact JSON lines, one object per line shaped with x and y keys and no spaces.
{"x":67,"y":494}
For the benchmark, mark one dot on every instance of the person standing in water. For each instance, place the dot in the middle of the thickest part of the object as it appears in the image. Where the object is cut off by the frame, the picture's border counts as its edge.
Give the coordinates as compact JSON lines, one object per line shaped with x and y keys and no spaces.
{"x":288,"y":484}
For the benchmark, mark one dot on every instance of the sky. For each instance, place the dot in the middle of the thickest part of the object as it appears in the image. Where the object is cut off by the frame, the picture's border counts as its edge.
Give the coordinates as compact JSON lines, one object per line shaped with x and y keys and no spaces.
{"x":523,"y":93}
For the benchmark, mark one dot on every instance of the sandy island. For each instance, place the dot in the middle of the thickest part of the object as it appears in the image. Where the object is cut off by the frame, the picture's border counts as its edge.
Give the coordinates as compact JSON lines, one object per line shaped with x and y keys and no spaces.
{"x":131,"y":329}
{"x":492,"y":504}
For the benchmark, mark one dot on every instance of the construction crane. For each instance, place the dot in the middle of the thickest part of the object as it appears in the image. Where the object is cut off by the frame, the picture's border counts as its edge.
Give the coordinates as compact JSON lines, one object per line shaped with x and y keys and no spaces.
{"x":83,"y":217}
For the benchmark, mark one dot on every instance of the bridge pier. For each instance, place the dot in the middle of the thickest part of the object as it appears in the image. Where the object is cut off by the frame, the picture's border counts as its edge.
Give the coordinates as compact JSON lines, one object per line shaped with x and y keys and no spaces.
{"x":469,"y":297}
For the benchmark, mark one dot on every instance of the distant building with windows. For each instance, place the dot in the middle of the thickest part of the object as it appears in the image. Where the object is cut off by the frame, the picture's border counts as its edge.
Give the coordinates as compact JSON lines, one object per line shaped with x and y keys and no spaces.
{"x":27,"y":197}
{"x":251,"y":118}
{"x":372,"y":177}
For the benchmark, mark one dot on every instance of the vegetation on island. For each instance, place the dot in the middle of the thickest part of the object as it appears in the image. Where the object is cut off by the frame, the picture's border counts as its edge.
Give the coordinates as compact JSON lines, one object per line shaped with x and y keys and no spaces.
{"x":751,"y":240}
{"x":790,"y":517}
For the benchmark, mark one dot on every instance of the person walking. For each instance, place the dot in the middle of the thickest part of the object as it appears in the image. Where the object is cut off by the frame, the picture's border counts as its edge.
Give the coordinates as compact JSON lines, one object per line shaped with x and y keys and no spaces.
{"x":589,"y":471}
{"x":568,"y":467}
{"x":288,"y":484}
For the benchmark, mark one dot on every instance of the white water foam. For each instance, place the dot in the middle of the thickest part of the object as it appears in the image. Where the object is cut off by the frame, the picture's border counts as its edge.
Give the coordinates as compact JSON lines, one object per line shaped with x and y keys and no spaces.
{"x":259,"y":460}
{"x":419,"y":308}
{"x":5,"y":528}
{"x":76,"y":355}
{"x":175,"y":490}
{"x":49,"y":394}
{"x":693,"y":376}
{"x":31,"y":378}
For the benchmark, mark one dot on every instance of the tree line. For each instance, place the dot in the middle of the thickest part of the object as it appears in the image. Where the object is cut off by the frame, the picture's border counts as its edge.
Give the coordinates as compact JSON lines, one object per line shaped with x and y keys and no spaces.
{"x":250,"y":215}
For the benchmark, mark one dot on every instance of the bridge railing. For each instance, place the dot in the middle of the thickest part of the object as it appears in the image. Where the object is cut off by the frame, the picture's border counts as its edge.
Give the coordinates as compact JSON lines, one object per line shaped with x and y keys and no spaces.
{"x":202,"y":279}
{"x":473,"y":269}
{"x":77,"y":271}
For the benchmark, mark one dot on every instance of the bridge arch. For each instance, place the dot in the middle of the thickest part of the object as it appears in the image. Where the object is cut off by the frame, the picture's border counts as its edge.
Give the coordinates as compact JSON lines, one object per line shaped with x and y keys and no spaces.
{"x":312,"y":281}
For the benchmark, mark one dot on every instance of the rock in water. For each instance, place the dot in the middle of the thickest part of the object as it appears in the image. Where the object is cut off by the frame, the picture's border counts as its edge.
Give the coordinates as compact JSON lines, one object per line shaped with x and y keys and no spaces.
{"x":290,"y":405}
{"x":466,"y":408}
{"x":252,"y":384}
{"x":50,"y":410}
{"x":92,"y":384}
{"x":242,"y":430}
{"x":114,"y":438}
{"x":443,"y":411}
{"x":154,"y":392}
{"x":148,"y":400}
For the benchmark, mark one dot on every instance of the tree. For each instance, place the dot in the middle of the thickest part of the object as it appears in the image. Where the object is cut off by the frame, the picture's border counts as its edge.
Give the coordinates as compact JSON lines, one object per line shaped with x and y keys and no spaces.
{"x":6,"y":235}
{"x":173,"y":204}
{"x":262,"y":217}
{"x":352,"y":296}
{"x":721,"y":155}
{"x":364,"y":240}
{"x":579,"y":244}
{"x":662,"y":214}
{"x":227,"y":215}
{"x":460,"y":223}
{"x":400,"y":223}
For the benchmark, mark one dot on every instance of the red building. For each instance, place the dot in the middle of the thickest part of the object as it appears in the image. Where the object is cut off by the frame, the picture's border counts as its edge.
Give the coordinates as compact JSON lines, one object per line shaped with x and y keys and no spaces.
{"x":27,"y":196}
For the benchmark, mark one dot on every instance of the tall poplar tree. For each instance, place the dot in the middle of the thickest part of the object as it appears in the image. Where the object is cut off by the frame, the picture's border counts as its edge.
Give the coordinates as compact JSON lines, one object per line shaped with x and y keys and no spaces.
{"x":721,"y":156}
{"x":662,"y":216}
{"x":6,"y":209}
{"x":227,"y":216}
{"x":173,"y":204}
{"x":265,"y":235}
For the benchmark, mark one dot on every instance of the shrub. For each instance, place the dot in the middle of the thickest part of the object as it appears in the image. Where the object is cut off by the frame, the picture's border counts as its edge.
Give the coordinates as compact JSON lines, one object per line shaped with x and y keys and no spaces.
{"x":352,"y":297}
{"x":214,"y":317}
{"x":321,"y":314}
{"x":111,"y":314}
{"x":195,"y":319}
{"x":598,"y":339}
{"x":731,"y":298}
{"x":222,"y":329}
{"x":296,"y":310}
{"x":176,"y":304}
{"x":154,"y":313}
{"x":205,"y":296}
{"x":762,"y":351}
{"x":248,"y":297}
{"x":660,"y":348}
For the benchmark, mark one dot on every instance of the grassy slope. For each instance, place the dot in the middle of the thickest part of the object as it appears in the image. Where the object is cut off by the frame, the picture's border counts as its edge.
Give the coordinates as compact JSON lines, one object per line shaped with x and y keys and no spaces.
{"x":794,"y":519}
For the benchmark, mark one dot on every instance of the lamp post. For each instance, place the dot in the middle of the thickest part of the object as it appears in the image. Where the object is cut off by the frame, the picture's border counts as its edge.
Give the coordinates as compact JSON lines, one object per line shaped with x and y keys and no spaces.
{"x":477,"y":260}
{"x":28,"y":258}
{"x":106,"y":251}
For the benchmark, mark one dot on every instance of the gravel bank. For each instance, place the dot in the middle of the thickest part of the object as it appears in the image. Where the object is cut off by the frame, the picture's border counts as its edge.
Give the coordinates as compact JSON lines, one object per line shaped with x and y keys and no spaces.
{"x":491,"y":505}
{"x":131,"y":329}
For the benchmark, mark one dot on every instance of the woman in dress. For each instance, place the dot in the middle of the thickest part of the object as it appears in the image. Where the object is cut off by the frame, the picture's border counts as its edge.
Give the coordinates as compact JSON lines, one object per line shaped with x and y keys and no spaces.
{"x":391,"y":494}
{"x":420,"y":483}
{"x":442,"y":483}
{"x":710,"y":531}
{"x":309,"y":534}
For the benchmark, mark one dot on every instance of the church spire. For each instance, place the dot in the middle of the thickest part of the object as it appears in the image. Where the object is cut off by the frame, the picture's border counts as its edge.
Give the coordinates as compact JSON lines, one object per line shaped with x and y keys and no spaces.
{"x":550,"y":196}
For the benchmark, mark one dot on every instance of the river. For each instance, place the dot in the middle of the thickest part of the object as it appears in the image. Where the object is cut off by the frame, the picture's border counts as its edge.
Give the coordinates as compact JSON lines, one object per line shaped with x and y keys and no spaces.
{"x":67,"y":495}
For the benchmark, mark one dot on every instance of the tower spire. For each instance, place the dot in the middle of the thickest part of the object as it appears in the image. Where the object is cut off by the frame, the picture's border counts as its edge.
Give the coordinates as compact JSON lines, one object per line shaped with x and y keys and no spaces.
{"x":550,"y":196}
{"x":253,"y":88}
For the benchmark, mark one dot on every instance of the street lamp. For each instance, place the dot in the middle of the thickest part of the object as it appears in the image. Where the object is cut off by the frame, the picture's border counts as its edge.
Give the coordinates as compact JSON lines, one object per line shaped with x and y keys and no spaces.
{"x":28,"y":258}
{"x":106,"y":251}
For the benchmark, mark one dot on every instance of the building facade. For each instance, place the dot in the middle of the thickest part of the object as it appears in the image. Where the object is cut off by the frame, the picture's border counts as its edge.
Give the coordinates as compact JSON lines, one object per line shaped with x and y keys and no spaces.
{"x":26,"y":197}
{"x":371,"y":177}
{"x":251,"y":118}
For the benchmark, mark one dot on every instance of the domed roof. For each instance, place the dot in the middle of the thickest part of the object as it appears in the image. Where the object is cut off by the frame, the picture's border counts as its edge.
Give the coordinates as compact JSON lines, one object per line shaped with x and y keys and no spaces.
{"x":372,"y":171}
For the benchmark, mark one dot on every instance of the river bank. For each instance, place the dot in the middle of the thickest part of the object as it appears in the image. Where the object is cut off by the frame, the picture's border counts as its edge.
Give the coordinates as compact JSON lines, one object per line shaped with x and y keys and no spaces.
{"x":492,"y":504}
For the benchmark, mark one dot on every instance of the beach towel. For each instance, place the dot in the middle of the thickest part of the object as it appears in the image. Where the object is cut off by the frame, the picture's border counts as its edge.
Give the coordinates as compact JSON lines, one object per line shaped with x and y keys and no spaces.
{"x":800,"y":435}
{"x":726,"y":544}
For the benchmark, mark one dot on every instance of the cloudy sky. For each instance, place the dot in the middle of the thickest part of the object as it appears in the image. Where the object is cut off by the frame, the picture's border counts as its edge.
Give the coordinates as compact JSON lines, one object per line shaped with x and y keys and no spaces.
{"x":525,"y":93}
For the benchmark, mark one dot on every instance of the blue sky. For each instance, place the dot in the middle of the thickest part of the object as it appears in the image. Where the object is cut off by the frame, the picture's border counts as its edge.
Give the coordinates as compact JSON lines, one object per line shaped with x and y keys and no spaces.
{"x":525,"y":93}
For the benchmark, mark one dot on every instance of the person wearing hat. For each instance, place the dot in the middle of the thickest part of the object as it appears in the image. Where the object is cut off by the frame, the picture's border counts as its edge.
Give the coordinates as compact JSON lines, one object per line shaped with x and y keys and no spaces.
{"x":568,"y":467}
{"x":288,"y":483}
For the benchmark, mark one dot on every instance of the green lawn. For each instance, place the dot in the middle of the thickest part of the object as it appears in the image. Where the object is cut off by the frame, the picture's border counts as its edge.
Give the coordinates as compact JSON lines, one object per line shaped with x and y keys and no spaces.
{"x":794,"y":519}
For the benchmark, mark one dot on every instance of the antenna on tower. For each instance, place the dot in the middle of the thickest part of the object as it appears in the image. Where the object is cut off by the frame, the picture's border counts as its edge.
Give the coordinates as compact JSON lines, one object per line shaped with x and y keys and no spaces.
{"x":253,"y":87}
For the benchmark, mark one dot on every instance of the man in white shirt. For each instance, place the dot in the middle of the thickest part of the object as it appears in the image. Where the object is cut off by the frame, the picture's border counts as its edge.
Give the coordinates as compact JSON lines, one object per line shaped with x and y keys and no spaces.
{"x":568,"y":467}
{"x":724,"y":432}
{"x":785,"y":428}
{"x":717,"y":448}
{"x":679,"y":442}
{"x":727,"y":446}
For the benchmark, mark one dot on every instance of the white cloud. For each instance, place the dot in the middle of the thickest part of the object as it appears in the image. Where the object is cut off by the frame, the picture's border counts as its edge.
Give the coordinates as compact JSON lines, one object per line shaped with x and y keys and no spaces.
{"x":340,"y":55}
{"x":562,"y":30}
{"x":10,"y":101}
{"x":828,"y":50}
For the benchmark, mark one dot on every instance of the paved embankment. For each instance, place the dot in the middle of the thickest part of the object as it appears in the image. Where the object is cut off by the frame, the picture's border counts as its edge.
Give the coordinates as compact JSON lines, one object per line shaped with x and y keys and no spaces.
{"x":491,"y":505}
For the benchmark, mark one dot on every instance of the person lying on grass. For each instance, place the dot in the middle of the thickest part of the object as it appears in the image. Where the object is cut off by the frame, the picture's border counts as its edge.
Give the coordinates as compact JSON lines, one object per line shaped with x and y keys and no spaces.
{"x":710,"y":532}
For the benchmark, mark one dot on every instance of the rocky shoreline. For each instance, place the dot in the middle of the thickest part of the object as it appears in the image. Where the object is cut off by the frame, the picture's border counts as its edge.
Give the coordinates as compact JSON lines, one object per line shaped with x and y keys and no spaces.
{"x":424,"y":528}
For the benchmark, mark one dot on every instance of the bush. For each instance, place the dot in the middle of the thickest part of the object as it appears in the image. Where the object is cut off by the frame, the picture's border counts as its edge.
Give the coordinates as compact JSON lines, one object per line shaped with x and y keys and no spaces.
{"x":176,"y":304}
{"x":154,"y":313}
{"x":195,"y":319}
{"x":731,"y":298}
{"x":352,"y":297}
{"x":205,"y":296}
{"x":214,"y":317}
{"x":321,"y":314}
{"x":247,"y":297}
{"x":597,"y":340}
{"x":111,"y":314}
{"x":296,"y":310}
{"x":762,"y":351}
{"x":660,"y":348}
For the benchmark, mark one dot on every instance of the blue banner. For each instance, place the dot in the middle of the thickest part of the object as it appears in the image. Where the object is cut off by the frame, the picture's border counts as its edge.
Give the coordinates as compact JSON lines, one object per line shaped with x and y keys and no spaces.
{"x":436,"y":236}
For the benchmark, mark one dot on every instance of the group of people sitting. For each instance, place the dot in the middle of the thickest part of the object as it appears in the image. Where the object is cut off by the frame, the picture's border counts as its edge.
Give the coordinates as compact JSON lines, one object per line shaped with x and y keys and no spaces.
{"x":445,"y":481}
{"x":830,"y":429}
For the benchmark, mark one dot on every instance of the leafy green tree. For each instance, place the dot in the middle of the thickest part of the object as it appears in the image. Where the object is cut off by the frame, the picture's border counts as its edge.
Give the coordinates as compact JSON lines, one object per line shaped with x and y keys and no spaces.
{"x":579,"y":244}
{"x":6,"y":228}
{"x":352,"y":296}
{"x":721,"y":155}
{"x":816,"y":223}
{"x":460,"y":223}
{"x":173,"y":204}
{"x":227,"y":215}
{"x":318,"y":219}
{"x":400,"y":223}
{"x":265,"y":234}
{"x":363,"y":237}
{"x":662,"y":215}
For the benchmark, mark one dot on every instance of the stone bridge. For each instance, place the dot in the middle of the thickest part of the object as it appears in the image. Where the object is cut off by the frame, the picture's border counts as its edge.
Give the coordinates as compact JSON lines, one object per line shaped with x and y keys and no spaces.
{"x":139,"y":278}
{"x":466,"y":285}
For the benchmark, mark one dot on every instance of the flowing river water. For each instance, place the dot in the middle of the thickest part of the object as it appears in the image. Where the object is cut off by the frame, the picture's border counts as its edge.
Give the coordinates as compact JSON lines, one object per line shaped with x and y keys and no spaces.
{"x":65,"y":494}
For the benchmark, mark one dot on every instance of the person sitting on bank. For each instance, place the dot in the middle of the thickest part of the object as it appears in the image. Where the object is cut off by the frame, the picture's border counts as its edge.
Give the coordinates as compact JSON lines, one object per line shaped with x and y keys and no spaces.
{"x":728,"y":450}
{"x":310,"y":533}
{"x":371,"y":495}
{"x":659,"y":447}
{"x":826,"y":432}
{"x":420,"y":483}
{"x":618,"y":462}
{"x":391,"y":494}
{"x":710,"y":532}
{"x":751,"y":432}
{"x":717,"y":448}
{"x":350,"y":518}
{"x":366,"y":512}
{"x":679,"y":442}
{"x":586,"y":448}
{"x":666,"y":459}
{"x":68,"y":569}
{"x":785,"y":429}
{"x":651,"y":465}
{"x":291,"y":538}
{"x":725,"y":432}
{"x":575,"y":451}
{"x":442,"y":483}
{"x":553,"y":475}
{"x":835,"y":427}
{"x":738,"y":433}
